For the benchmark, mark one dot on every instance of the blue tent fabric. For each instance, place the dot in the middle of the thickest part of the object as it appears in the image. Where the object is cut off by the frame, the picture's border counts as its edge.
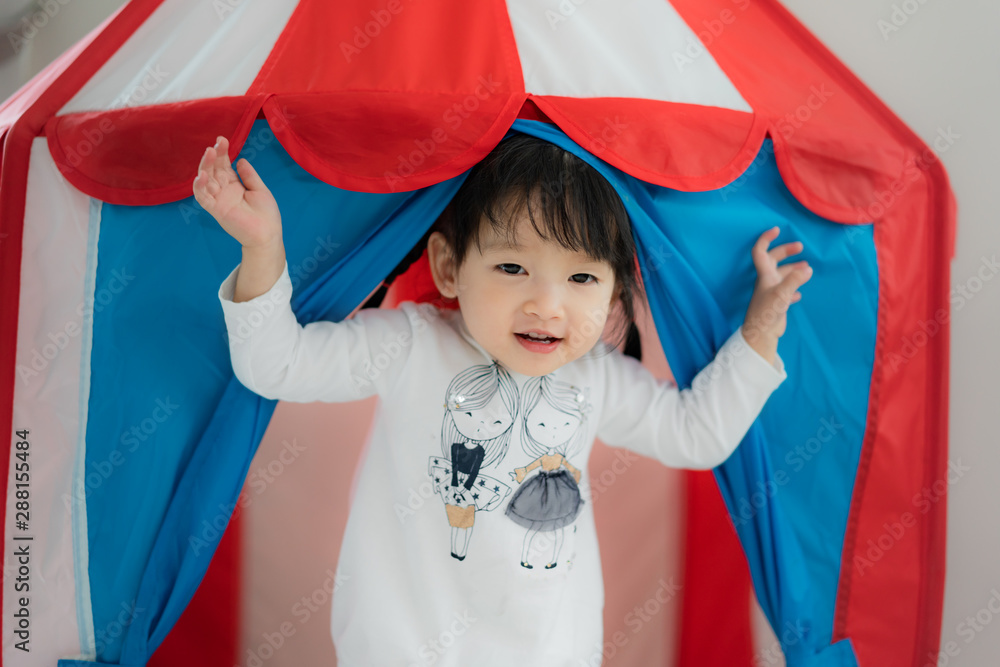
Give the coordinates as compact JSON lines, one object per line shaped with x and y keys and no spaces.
{"x":185,"y":430}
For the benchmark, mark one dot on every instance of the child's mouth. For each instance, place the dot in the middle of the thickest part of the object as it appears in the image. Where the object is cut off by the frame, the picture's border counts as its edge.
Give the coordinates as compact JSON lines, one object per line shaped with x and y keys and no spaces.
{"x":538,"y":344}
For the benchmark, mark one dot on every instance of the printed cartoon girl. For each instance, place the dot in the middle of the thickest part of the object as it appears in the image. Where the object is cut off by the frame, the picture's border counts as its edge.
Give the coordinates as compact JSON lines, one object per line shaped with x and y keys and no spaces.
{"x":554,"y":430}
{"x":475,"y":433}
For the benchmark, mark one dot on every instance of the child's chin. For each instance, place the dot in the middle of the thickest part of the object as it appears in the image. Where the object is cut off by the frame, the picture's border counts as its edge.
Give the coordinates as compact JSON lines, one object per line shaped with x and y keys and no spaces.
{"x":544,"y":365}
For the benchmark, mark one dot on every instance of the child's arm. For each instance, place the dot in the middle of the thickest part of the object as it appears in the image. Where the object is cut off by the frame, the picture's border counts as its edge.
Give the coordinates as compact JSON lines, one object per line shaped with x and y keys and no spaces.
{"x":696,"y":428}
{"x":249,"y":214}
{"x":271,"y":353}
{"x":276,"y":357}
{"x":700,"y":427}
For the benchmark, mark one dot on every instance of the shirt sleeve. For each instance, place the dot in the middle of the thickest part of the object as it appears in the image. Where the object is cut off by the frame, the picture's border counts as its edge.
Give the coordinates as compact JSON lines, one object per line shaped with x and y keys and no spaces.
{"x":276,"y":357}
{"x":696,"y":428}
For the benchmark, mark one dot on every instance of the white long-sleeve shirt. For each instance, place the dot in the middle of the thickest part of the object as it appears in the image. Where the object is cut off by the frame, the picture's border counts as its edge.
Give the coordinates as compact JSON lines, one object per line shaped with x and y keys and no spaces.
{"x":403,"y":598}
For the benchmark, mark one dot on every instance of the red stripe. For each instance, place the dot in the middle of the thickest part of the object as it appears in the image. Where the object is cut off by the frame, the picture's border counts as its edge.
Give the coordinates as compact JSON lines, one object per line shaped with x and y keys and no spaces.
{"x":427,"y":47}
{"x":715,"y":627}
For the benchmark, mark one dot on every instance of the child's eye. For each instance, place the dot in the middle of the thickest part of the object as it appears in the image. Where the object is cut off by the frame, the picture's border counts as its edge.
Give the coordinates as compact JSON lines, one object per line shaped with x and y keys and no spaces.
{"x":516,"y":266}
{"x":587,"y":278}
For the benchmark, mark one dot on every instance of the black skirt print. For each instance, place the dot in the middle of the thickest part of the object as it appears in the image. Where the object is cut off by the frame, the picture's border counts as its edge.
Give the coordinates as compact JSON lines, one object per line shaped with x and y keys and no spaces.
{"x":547,"y":501}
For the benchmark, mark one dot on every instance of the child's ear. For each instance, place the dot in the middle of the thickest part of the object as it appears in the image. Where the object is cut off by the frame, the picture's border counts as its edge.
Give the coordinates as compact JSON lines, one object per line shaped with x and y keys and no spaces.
{"x":442,"y":264}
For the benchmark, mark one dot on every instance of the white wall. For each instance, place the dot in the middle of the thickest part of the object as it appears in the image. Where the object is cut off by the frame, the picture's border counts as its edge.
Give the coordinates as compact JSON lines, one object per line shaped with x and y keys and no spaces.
{"x":26,"y":49}
{"x":939,"y":70}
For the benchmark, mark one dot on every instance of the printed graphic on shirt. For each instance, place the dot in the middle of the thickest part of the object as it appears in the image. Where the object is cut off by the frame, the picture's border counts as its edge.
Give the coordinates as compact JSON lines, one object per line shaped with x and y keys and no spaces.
{"x":483,"y":404}
{"x":554,"y":430}
{"x":481,"y":407}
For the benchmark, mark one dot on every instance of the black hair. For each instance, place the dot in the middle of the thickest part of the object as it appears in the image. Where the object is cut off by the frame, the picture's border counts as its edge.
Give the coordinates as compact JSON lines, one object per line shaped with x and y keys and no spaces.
{"x":578,"y":208}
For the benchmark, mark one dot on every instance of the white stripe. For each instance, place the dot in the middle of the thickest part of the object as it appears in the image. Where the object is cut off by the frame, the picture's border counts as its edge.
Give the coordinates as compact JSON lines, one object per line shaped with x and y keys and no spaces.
{"x":605,"y":48}
{"x":81,"y":544}
{"x":188,"y":50}
{"x":49,"y":396}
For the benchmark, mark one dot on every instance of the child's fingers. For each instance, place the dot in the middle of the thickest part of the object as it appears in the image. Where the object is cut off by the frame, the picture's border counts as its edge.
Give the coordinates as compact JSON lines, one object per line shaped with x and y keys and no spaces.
{"x":760,"y":246}
{"x":784,"y":250}
{"x":793,"y":281}
{"x":200,"y":188}
{"x":223,"y":165}
{"x":251,"y":179}
{"x":785,"y":269}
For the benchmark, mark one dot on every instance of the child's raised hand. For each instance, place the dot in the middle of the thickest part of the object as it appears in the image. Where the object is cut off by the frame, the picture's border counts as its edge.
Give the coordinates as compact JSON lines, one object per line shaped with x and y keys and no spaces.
{"x":776,"y":289}
{"x":249,"y":214}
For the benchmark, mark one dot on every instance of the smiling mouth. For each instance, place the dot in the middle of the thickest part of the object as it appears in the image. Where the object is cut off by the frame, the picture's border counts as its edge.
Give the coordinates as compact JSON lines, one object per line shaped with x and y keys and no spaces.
{"x":547,"y":339}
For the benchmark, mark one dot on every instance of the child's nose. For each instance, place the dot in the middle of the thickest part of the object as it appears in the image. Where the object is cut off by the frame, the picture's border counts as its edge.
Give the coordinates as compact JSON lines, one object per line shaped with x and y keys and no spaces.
{"x":545,"y":301}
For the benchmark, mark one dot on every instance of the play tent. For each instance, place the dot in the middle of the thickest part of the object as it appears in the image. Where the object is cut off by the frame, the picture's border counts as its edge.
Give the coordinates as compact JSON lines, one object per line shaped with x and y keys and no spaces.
{"x":715,"y":120}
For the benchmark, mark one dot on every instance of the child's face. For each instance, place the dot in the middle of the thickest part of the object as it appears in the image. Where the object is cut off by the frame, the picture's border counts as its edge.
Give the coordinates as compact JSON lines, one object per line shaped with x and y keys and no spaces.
{"x":505,"y":292}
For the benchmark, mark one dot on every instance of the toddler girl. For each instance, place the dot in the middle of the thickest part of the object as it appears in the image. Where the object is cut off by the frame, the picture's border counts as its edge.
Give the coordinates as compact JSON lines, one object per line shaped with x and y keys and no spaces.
{"x":493,"y":405}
